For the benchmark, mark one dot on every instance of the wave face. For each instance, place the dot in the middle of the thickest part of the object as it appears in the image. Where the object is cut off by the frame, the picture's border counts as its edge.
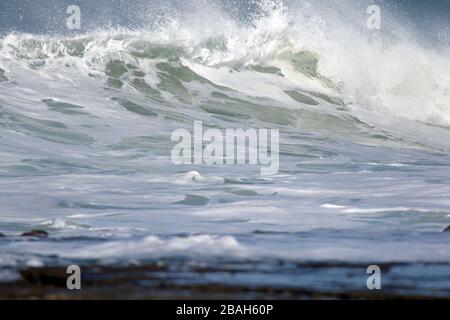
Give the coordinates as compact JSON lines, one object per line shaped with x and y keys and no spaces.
{"x":364,"y":117}
{"x":297,"y":47}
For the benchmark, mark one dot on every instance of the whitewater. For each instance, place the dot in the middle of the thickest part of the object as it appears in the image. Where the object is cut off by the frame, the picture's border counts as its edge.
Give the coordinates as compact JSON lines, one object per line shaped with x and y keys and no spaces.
{"x":364,"y":121}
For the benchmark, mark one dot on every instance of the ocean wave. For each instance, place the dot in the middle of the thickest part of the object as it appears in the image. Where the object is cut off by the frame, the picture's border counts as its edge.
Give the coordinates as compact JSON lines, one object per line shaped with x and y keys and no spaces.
{"x":288,"y":54}
{"x":153,"y":246}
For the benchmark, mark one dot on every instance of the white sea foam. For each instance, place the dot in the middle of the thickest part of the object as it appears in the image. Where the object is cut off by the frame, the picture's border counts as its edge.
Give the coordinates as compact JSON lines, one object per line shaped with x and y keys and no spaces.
{"x":152,"y":246}
{"x":85,"y":125}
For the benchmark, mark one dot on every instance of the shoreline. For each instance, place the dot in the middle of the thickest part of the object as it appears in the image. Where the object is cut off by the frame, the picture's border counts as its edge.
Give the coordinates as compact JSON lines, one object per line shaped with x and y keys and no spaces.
{"x":156,"y":281}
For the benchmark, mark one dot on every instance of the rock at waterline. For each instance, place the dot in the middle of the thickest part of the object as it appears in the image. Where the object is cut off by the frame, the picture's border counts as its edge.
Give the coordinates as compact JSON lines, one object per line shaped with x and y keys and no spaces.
{"x":447,"y":229}
{"x":2,"y":235}
{"x":36,"y":233}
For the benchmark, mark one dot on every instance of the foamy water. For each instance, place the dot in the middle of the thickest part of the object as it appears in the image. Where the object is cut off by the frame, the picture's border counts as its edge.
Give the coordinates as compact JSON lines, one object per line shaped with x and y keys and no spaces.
{"x":85,"y":125}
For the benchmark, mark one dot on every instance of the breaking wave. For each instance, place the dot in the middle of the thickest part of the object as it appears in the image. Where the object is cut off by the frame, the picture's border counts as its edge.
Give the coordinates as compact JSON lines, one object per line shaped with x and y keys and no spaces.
{"x":284,"y":56}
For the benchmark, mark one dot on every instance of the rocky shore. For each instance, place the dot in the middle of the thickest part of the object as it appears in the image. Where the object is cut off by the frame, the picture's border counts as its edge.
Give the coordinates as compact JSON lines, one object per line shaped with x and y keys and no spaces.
{"x":176,"y":280}
{"x":182,"y":278}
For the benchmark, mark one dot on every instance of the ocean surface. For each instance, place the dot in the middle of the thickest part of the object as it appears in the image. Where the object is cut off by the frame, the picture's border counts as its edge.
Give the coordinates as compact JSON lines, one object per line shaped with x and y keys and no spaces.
{"x":86,"y":119}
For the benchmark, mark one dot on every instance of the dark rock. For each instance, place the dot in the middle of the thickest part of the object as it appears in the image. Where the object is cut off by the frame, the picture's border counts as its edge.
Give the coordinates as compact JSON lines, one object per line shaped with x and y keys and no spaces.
{"x":36,"y":233}
{"x":2,"y":235}
{"x":447,"y":229}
